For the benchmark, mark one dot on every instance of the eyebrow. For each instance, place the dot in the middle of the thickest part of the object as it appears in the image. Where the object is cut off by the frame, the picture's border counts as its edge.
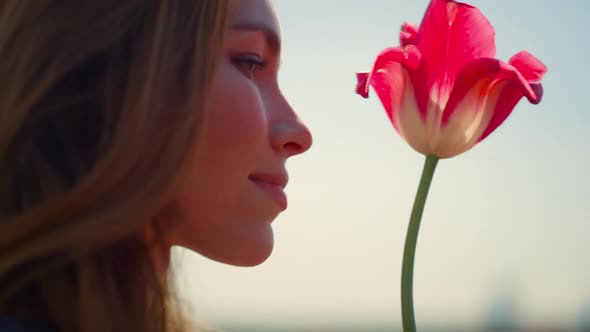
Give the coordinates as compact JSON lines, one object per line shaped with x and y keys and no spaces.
{"x":271,"y":36}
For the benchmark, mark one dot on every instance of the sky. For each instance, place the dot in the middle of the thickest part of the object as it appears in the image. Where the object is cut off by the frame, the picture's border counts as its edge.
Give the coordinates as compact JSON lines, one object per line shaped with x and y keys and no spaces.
{"x":506,"y":222}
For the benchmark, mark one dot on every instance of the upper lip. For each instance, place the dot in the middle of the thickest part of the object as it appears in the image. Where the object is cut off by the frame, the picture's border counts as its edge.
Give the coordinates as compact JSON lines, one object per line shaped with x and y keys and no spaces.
{"x":277,"y":178}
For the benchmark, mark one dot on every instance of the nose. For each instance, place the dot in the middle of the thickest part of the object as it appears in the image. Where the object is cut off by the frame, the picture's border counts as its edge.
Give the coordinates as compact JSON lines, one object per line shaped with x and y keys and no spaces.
{"x":289,"y":135}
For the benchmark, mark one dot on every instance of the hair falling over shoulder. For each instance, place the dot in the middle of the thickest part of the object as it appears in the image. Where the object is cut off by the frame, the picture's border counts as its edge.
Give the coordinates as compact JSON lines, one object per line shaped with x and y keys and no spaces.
{"x":100,"y":108}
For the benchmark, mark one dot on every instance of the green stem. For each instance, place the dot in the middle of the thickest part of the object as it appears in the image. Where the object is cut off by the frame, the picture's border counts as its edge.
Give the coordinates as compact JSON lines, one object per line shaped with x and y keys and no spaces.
{"x":410,"y":246}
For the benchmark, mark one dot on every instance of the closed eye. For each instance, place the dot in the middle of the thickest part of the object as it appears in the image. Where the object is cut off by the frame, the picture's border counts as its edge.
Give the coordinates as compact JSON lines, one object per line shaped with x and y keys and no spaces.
{"x":248,"y":64}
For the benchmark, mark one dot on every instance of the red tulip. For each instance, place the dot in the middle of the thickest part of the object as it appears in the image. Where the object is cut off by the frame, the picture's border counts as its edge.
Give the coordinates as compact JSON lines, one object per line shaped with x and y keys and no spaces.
{"x":443,"y":90}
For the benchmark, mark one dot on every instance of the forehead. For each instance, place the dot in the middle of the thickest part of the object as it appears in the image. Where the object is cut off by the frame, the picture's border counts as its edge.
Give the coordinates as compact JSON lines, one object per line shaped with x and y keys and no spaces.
{"x":259,"y":12}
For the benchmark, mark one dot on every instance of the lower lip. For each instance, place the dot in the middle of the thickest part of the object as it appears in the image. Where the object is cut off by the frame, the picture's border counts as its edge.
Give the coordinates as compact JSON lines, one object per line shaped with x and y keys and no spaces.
{"x":274,"y":191}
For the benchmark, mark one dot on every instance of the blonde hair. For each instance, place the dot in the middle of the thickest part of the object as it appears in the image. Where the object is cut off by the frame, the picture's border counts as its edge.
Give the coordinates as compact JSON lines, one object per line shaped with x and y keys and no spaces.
{"x":100,"y":108}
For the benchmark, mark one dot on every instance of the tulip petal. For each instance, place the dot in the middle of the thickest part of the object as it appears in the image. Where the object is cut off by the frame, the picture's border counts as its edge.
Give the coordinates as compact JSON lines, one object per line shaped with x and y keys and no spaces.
{"x":510,"y":96}
{"x":471,"y":117}
{"x":362,"y":84}
{"x":451,"y":35}
{"x":503,"y":86}
{"x":387,"y":79}
{"x":530,"y":67}
{"x":491,"y":69}
{"x":407,"y":118}
{"x":408,"y":34}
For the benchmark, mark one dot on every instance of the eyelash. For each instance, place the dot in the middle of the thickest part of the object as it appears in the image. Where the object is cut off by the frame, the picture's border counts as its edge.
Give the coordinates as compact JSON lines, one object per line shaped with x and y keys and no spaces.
{"x":249,"y":63}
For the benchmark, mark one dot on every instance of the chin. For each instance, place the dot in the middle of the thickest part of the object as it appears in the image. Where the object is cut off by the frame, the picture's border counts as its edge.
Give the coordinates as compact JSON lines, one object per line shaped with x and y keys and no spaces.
{"x":245,"y":249}
{"x":252,"y":256}
{"x":249,"y":246}
{"x":250,"y":259}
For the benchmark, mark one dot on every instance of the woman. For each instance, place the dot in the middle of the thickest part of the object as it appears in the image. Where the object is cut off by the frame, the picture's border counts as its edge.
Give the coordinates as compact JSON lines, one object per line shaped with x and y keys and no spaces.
{"x":127,"y":127}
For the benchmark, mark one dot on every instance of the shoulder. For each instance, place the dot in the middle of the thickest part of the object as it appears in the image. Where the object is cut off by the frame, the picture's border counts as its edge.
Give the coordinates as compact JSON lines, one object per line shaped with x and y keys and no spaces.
{"x":15,"y":325}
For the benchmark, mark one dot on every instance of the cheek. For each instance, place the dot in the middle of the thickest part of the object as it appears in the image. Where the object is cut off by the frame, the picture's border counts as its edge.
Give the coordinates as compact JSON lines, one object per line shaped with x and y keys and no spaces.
{"x":237,"y":119}
{"x":233,"y":141}
{"x":217,"y":215}
{"x":234,"y":133}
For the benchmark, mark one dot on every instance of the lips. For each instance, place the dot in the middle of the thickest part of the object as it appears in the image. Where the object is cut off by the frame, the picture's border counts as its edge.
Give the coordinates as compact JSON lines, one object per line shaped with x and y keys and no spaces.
{"x":273,"y":185}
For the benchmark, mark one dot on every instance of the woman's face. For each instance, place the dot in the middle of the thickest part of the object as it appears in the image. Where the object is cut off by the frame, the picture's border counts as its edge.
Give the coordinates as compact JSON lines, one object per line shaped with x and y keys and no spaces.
{"x":235,"y":191}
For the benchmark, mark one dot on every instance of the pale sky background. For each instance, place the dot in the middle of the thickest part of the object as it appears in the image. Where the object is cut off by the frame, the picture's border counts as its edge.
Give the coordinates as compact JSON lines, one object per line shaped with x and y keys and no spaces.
{"x":510,"y":216}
